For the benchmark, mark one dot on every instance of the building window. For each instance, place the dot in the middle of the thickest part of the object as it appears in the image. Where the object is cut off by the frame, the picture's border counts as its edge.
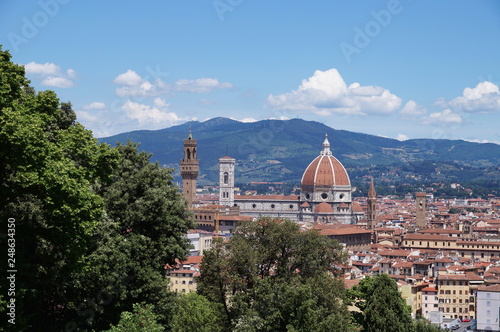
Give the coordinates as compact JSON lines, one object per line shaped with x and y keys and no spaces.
{"x":254,"y":206}
{"x":273,"y":206}
{"x":226,"y":178}
{"x":488,"y":303}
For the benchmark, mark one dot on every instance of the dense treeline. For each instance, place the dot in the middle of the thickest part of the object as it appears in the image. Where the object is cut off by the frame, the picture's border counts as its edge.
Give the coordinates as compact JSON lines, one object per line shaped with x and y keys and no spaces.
{"x":95,"y":225}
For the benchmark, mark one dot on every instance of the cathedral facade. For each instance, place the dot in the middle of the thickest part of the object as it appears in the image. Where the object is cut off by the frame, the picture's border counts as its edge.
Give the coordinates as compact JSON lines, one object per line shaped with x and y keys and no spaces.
{"x":325,"y":194}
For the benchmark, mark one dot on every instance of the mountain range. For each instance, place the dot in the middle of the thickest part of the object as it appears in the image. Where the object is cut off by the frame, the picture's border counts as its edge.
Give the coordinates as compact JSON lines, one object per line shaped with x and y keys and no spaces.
{"x":280,"y":150}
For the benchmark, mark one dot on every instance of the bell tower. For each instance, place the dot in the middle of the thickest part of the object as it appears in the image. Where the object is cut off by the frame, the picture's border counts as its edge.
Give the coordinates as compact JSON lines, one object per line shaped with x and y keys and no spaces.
{"x":226,"y":181}
{"x":372,"y":199}
{"x":420,"y":202}
{"x":189,"y":169}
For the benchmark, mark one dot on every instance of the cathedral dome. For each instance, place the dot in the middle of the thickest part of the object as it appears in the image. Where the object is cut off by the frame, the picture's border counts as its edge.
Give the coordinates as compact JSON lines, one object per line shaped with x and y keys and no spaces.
{"x":325,"y":170}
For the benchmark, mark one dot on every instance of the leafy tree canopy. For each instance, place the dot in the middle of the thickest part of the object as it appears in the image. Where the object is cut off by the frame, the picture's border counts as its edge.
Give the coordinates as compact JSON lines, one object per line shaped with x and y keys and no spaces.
{"x":271,"y":276}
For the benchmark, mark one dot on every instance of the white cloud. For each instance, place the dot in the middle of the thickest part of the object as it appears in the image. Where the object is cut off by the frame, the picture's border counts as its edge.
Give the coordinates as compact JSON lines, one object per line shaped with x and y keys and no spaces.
{"x":484,"y":98}
{"x":154,"y":115}
{"x":200,"y":85}
{"x":135,"y":85}
{"x":248,"y":120}
{"x":42,"y":69}
{"x":475,"y":140}
{"x":411,"y":108}
{"x":130,"y":78}
{"x":326,"y":93}
{"x":71,"y":74}
{"x":402,"y":137}
{"x":51,"y":74}
{"x":445,"y":117}
{"x":58,"y":82}
{"x":96,"y":105}
{"x":87,"y":116}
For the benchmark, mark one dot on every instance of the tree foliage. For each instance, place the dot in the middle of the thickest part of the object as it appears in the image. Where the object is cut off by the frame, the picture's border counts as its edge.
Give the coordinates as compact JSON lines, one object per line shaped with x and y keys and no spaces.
{"x":94,"y":225}
{"x":141,"y":319}
{"x":271,"y":276}
{"x":48,"y":166}
{"x":194,"y":312}
{"x":381,"y":305}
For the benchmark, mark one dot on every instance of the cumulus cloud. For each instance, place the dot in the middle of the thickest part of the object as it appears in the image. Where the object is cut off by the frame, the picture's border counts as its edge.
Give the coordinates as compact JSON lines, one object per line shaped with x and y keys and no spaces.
{"x":447,"y":116}
{"x":51,"y":74}
{"x":87,"y":116}
{"x":200,"y":85}
{"x":130,"y":78}
{"x":411,"y":109}
{"x":58,"y":82}
{"x":402,"y":137}
{"x":42,"y":69}
{"x":484,"y":98}
{"x":248,"y":120}
{"x":96,"y":105}
{"x":326,"y":93}
{"x":133,"y":84}
{"x":157,"y":115}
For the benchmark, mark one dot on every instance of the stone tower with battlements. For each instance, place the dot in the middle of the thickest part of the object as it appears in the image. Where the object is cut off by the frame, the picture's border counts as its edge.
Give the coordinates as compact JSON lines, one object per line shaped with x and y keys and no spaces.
{"x":421,"y":203}
{"x":371,"y":202}
{"x":189,"y":170}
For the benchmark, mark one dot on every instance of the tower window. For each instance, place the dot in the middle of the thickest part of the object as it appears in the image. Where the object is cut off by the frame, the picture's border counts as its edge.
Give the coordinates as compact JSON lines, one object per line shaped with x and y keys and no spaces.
{"x":188,"y":154}
{"x":226,"y":178}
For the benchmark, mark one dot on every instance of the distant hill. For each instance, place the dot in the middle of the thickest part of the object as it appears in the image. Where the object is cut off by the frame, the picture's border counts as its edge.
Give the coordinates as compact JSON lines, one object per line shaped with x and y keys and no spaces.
{"x":275,"y":150}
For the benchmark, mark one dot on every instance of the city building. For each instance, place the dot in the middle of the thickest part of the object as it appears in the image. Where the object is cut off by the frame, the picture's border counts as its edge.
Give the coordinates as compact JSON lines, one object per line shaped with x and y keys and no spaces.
{"x":488,"y":308}
{"x":325,"y":195}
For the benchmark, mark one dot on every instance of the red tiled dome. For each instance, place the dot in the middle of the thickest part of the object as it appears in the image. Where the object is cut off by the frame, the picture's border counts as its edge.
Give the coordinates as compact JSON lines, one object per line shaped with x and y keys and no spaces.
{"x":325,"y":170}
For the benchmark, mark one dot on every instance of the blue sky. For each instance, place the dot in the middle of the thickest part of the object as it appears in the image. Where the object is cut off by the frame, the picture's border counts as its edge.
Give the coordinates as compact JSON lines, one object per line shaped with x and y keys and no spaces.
{"x":399,"y":69}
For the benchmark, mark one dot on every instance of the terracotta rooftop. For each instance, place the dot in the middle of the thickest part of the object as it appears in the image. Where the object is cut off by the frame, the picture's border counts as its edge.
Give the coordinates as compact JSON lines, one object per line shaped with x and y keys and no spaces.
{"x":492,"y":288}
{"x":344,"y":231}
{"x":431,"y":237}
{"x":323,"y":207}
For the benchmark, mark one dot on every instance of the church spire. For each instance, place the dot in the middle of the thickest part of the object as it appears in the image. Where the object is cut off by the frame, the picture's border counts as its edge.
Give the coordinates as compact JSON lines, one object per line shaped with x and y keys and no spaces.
{"x":326,"y":147}
{"x":371,"y":191}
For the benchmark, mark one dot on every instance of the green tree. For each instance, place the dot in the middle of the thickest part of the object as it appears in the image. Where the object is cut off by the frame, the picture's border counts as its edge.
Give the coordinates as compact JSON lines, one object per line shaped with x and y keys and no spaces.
{"x":194,"y":312}
{"x":144,"y":229}
{"x":95,"y":225}
{"x":385,"y":309}
{"x":49,"y":165}
{"x":141,"y":319}
{"x":271,"y":276}
{"x":422,"y":325}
